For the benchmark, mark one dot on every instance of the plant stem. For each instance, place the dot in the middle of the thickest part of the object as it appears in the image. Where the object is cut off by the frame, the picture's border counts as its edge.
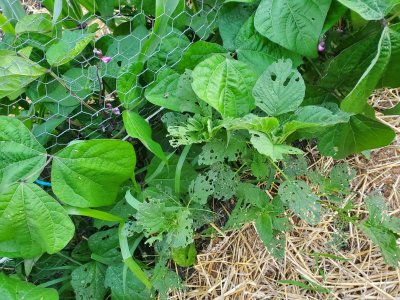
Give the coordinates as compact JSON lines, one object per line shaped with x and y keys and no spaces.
{"x":60,"y":81}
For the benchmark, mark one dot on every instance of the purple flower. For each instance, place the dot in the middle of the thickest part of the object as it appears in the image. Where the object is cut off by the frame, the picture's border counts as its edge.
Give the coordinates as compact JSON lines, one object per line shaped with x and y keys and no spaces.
{"x":105,"y":59}
{"x":116,"y":111}
{"x":98,"y":52}
{"x":321,"y":46}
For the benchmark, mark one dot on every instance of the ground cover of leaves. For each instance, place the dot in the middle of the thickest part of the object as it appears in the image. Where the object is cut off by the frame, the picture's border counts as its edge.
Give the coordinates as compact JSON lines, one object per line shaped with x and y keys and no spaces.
{"x":236,"y":265}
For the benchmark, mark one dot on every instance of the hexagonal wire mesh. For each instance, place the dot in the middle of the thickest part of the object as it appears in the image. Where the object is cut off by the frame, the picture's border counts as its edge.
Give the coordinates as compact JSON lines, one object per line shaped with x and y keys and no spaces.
{"x":78,"y":99}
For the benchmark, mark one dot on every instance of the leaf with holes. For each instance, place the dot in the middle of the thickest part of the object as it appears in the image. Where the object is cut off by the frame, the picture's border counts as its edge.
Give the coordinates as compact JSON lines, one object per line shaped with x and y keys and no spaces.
{"x":32,"y":222}
{"x":382,"y":229}
{"x":293,"y":24}
{"x":89,"y":173}
{"x":202,"y":188}
{"x":298,"y":196}
{"x":263,"y":144}
{"x":225,"y":84}
{"x":163,"y":219}
{"x":279,"y":89}
{"x":88,"y":281}
{"x":21,"y":155}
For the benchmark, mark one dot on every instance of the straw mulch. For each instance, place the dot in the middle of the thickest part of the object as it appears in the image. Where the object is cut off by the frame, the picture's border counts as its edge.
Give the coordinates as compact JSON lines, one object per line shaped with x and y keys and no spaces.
{"x":237,"y":266}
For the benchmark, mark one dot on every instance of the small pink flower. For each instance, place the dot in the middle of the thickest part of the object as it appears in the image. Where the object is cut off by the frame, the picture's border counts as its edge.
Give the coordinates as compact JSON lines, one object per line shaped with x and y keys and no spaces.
{"x":321,"y":46}
{"x":105,"y":59}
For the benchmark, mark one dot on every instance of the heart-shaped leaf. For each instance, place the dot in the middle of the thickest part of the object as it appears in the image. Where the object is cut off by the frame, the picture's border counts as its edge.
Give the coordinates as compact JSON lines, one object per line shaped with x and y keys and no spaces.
{"x":89,"y":173}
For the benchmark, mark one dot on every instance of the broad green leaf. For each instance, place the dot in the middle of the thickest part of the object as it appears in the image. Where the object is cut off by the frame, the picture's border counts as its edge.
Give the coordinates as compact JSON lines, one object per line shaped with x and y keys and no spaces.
{"x":259,"y":52}
{"x":184,"y":257}
{"x":293,"y":24}
{"x":231,"y":18}
{"x":168,"y":53}
{"x":298,"y":196}
{"x":357,"y":100}
{"x":265,"y":146}
{"x":104,"y":244}
{"x":129,"y":88}
{"x":15,"y":289}
{"x":16,"y":72}
{"x":359,"y":134}
{"x":32,"y":222}
{"x":264,"y":228}
{"x":382,"y":229}
{"x":371,"y":9}
{"x":124,"y":285}
{"x":279,"y":89}
{"x":124,"y":51}
{"x":251,"y":122}
{"x":345,"y":69}
{"x":21,"y":155}
{"x":390,"y":77}
{"x":196,"y":53}
{"x":137,"y":127}
{"x":175,"y":93}
{"x":89,"y":173}
{"x":68,"y":47}
{"x":312,"y":118}
{"x":39,"y":23}
{"x":225,"y":84}
{"x":88,"y":281}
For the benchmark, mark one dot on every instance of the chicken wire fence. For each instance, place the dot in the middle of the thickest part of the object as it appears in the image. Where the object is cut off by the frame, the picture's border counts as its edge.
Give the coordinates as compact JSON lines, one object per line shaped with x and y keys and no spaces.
{"x":79,"y":99}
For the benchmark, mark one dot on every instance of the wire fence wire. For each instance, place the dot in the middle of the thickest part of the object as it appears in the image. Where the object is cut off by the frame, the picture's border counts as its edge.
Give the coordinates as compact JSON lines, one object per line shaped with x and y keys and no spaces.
{"x":79,"y":99}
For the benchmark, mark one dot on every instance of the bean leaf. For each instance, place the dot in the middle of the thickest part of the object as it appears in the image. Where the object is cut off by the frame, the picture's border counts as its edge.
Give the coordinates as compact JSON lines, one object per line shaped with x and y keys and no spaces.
{"x":89,"y":173}
{"x":32,"y":222}
{"x":21,"y":155}
{"x":279,"y":89}
{"x":293,"y":24}
{"x":225,"y":84}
